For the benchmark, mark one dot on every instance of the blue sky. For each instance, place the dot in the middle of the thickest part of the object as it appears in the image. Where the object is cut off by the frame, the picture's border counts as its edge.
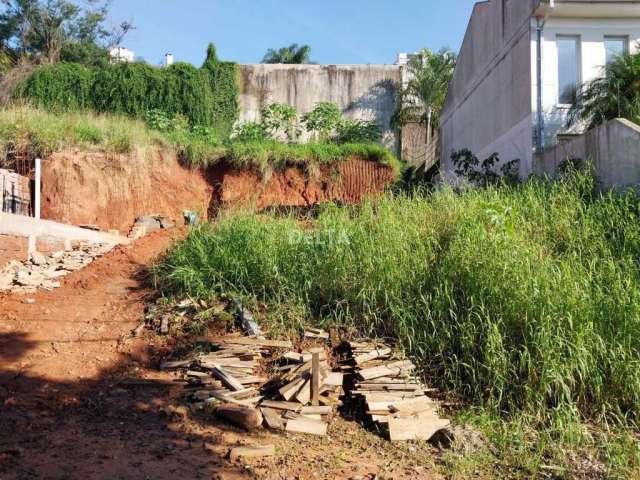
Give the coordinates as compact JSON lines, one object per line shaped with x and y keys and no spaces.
{"x":339,"y":31}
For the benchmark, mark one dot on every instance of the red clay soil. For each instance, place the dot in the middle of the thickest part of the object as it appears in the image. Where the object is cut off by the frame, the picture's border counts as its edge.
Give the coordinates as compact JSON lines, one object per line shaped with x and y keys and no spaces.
{"x":349,"y":181}
{"x":111,"y":191}
{"x":63,"y":414}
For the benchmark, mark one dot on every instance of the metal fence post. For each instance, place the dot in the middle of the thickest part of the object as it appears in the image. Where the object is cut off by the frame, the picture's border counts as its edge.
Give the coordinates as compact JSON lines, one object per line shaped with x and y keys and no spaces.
{"x":37,"y":187}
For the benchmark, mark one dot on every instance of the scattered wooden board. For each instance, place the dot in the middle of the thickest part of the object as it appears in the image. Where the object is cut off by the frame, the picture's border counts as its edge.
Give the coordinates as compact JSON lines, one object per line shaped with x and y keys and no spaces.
{"x":248,"y":341}
{"x":272,"y":418}
{"x":296,"y":407}
{"x":306,"y":425}
{"x":227,"y":379}
{"x":421,"y":426}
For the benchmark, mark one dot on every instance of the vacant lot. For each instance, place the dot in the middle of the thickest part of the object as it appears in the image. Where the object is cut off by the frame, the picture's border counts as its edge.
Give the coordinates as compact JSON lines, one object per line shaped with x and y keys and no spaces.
{"x":522,"y":301}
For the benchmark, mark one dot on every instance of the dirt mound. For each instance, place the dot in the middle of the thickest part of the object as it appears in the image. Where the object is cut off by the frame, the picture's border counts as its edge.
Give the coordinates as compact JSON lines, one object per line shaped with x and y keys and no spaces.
{"x":346,"y":182}
{"x":110,"y":190}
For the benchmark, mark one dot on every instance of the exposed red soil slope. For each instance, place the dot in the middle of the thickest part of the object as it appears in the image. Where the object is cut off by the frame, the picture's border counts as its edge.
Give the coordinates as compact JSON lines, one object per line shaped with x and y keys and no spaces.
{"x":110,"y":190}
{"x":349,"y":181}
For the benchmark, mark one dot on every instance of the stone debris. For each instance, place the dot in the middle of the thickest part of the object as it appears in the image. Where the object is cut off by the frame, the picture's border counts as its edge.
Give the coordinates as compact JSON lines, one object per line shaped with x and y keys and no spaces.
{"x":391,"y":393}
{"x":45,"y":272}
{"x":149,"y":223}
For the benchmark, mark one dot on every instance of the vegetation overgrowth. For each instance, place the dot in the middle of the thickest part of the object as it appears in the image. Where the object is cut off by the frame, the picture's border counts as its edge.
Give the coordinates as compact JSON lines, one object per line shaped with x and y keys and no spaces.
{"x":205,"y":96}
{"x":35,"y":132}
{"x":522,"y":299}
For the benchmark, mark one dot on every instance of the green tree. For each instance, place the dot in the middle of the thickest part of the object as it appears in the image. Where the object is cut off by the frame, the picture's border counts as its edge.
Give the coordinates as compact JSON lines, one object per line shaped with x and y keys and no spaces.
{"x":422,"y":97}
{"x":616,"y":93}
{"x":294,"y":53}
{"x":48,"y":31}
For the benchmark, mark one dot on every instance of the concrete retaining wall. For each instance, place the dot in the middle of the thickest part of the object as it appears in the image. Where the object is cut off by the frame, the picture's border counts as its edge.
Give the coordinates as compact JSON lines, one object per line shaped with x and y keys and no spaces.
{"x":13,"y":248}
{"x":21,"y":235}
{"x":613,"y":148}
{"x":365,"y":92}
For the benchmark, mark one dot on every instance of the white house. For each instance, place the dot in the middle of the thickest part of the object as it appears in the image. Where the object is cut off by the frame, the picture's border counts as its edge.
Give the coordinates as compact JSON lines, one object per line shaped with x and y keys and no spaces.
{"x":121,"y":55}
{"x":518,"y":69}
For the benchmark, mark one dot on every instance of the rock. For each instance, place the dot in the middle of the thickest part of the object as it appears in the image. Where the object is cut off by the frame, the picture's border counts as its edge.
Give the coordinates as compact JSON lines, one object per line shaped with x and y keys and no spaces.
{"x":166,"y":222}
{"x":38,"y":258}
{"x":150,"y":222}
{"x":29,"y":279}
{"x":29,"y":301}
{"x":49,"y":284}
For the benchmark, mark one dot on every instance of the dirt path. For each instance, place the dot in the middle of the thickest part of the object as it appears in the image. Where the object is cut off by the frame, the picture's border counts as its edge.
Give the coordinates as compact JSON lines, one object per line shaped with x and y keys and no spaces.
{"x":63,"y":416}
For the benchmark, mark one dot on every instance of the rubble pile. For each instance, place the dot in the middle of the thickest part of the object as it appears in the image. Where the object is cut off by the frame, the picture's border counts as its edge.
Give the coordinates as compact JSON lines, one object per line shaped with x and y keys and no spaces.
{"x":390,"y":392}
{"x":45,"y":272}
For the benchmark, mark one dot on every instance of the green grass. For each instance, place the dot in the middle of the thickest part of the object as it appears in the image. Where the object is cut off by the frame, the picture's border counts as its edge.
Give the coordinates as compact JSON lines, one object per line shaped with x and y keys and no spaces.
{"x":524,"y":301}
{"x":277,"y":155}
{"x":32,"y":131}
{"x":35,"y":132}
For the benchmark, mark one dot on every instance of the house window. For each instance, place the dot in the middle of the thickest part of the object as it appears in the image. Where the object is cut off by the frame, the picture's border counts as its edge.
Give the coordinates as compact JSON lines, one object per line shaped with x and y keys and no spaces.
{"x":615,"y":46}
{"x":568,"y":68}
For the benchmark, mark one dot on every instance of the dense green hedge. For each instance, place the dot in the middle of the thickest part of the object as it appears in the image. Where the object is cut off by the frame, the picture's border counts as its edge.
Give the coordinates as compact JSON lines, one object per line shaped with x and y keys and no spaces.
{"x":206,"y":96}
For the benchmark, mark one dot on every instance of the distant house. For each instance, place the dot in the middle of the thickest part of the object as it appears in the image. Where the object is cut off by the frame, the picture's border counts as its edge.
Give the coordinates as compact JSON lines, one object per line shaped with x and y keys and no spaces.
{"x":121,"y":55}
{"x":520,"y":64}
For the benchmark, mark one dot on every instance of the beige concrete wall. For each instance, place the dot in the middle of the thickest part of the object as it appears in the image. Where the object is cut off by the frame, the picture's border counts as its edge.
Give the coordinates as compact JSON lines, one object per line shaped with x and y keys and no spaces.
{"x":362,"y":91}
{"x":488,"y":107}
{"x":613,"y":148}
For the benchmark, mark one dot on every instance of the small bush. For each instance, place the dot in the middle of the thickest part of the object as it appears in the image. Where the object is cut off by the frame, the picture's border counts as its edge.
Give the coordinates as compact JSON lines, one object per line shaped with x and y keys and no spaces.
{"x":323,"y":120}
{"x":358,"y":131}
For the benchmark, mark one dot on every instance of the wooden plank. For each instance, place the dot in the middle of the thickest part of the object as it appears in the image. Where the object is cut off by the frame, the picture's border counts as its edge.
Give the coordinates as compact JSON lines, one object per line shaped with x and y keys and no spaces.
{"x":319,"y":410}
{"x":241,"y":415}
{"x":238,"y":453}
{"x":227,"y":379}
{"x":421,"y":426}
{"x":333,"y":379}
{"x":289,"y":390}
{"x":315,"y":378}
{"x":306,"y":425}
{"x":391,"y":369}
{"x":380,"y":418}
{"x":175,"y":364}
{"x":373,"y":355}
{"x":252,"y":379}
{"x":304,"y":394}
{"x":413,"y":405}
{"x":248,"y":341}
{"x":296,"y":407}
{"x":272,"y":418}
{"x":390,"y":387}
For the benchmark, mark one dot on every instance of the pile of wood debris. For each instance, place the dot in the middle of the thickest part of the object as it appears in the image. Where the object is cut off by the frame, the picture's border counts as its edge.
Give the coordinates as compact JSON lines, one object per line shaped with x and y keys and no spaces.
{"x":392,"y":395}
{"x":300,"y":396}
{"x":251,"y":381}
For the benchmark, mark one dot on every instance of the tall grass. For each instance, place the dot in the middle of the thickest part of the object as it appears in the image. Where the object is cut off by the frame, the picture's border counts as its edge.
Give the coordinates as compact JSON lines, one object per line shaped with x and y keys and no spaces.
{"x":26,"y":130}
{"x":520,"y":299}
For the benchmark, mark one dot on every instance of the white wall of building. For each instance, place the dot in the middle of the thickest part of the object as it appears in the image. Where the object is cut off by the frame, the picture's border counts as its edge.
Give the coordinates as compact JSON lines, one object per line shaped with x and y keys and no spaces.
{"x":488,"y":106}
{"x":592,"y":33}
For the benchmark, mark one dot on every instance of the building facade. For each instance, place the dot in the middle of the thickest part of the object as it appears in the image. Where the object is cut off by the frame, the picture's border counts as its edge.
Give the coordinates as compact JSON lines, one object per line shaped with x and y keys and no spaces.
{"x":519,"y":68}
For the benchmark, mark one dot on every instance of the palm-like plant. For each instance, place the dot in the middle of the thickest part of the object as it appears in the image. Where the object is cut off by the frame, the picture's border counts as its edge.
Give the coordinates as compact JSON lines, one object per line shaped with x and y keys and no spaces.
{"x":615,"y":94}
{"x":294,"y":53}
{"x":422,"y":98}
